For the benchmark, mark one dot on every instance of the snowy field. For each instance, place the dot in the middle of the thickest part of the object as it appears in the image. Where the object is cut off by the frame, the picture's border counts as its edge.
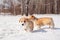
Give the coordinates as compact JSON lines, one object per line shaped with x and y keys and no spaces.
{"x":10,"y":29}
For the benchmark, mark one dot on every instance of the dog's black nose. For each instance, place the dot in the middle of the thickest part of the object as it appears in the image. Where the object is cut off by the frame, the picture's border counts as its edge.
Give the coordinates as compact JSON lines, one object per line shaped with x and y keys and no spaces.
{"x":22,"y":24}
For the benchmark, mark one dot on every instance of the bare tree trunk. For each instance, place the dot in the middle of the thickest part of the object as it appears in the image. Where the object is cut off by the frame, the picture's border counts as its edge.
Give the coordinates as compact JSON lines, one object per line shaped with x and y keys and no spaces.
{"x":22,"y":7}
{"x":14,"y":10}
{"x":55,"y":6}
{"x":14,"y":7}
{"x":58,"y":6}
{"x":25,"y":4}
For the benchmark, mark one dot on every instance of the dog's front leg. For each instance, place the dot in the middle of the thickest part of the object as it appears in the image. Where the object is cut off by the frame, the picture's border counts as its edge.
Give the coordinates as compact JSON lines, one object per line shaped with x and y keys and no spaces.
{"x":25,"y":30}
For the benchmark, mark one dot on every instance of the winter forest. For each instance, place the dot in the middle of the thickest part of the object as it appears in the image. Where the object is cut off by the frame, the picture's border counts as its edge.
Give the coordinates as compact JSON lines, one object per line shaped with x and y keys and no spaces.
{"x":16,"y":7}
{"x":12,"y":11}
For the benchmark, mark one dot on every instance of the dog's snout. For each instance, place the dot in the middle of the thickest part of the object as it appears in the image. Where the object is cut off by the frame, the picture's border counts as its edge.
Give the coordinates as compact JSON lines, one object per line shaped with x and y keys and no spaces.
{"x":22,"y":24}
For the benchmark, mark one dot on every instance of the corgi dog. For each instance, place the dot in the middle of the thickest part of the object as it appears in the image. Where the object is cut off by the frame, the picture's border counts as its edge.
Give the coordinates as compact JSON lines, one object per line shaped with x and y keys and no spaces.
{"x":27,"y":24}
{"x":42,"y":21}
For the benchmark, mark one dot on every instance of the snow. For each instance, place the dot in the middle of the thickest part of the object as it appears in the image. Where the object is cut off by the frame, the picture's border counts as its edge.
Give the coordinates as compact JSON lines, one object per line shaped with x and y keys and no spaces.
{"x":10,"y":29}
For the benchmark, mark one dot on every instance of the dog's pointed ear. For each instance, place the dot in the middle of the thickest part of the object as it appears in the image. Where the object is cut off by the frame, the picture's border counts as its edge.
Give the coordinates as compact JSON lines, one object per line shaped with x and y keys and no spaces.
{"x":34,"y":17}
{"x":24,"y":21}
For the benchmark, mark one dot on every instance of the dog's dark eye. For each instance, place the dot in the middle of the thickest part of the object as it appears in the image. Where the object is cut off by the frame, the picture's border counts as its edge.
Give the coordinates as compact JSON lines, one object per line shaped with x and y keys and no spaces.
{"x":24,"y":21}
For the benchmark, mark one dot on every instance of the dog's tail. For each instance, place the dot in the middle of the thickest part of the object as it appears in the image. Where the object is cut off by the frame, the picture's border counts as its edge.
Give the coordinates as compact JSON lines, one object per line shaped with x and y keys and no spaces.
{"x":52,"y":23}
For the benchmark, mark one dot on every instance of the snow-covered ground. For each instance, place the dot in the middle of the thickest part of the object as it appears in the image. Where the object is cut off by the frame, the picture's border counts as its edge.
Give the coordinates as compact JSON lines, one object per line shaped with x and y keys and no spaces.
{"x":10,"y":29}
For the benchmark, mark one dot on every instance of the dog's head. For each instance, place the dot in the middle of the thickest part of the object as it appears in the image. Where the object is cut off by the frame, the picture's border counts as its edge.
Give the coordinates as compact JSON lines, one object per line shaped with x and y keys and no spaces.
{"x":23,"y":21}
